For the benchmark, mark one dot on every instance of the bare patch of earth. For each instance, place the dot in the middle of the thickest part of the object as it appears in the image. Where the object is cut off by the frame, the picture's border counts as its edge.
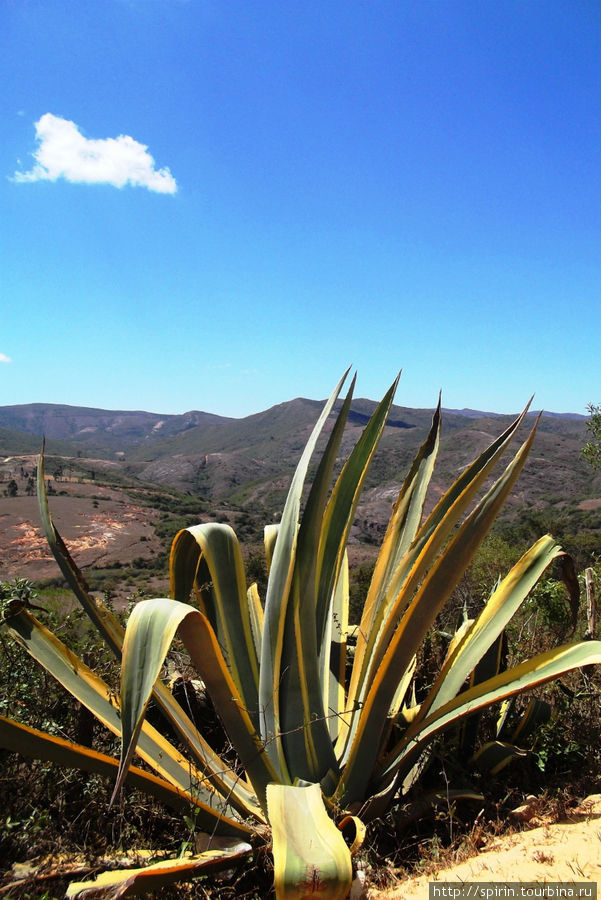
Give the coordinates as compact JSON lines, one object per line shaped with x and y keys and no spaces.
{"x":98,"y":526}
{"x":590,"y":504}
{"x":568,"y":850}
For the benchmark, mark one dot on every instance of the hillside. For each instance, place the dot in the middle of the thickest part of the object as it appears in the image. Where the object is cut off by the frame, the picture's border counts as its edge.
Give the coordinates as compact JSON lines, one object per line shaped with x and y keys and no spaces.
{"x":119,"y":475}
{"x":101,"y":431}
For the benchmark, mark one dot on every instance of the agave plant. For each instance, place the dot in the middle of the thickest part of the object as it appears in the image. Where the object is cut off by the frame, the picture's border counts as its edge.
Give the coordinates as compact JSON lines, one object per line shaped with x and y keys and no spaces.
{"x":318,"y":754}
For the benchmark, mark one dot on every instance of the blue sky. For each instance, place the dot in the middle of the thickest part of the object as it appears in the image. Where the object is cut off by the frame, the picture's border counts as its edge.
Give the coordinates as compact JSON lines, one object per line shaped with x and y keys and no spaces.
{"x":221,"y":205}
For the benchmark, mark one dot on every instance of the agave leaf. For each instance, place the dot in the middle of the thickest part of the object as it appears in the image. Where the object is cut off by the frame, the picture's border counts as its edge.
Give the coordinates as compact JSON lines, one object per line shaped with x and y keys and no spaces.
{"x":333,"y":656}
{"x":439,"y":525}
{"x":309,"y":852}
{"x":225,"y":600}
{"x":531,"y":673}
{"x":503,"y":729}
{"x":96,"y":696}
{"x":149,"y":634}
{"x":270,"y":533}
{"x":313,"y":691}
{"x":450,"y":508}
{"x":256,"y":617}
{"x":538,"y":712}
{"x":305,"y":739}
{"x":368,"y":724}
{"x":359,"y":832}
{"x":19,"y":738}
{"x":312,"y":530}
{"x":342,"y":505}
{"x":494,"y":756}
{"x":332,"y":595}
{"x":405,"y":520}
{"x":130,"y":882}
{"x":491,"y":622}
{"x":401,"y":691}
{"x":273,"y":650}
{"x":147,"y":641}
{"x":457,"y":638}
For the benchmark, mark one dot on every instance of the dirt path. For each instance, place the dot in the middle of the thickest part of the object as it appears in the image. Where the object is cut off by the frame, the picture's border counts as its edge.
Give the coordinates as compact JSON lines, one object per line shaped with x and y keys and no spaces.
{"x":564,"y":851}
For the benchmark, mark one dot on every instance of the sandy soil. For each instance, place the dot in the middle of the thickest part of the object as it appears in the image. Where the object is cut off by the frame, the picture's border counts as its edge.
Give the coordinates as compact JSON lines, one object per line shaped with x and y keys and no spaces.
{"x":546,"y":850}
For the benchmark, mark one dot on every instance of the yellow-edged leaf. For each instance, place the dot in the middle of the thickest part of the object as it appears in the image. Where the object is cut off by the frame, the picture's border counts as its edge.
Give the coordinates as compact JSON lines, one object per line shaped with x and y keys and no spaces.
{"x":499,"y":609}
{"x":281,"y":573}
{"x":19,"y":738}
{"x":309,"y":853}
{"x":95,"y":695}
{"x":531,"y":673}
{"x":149,"y":634}
{"x":132,"y":882}
{"x":494,"y":756}
{"x":222,"y":588}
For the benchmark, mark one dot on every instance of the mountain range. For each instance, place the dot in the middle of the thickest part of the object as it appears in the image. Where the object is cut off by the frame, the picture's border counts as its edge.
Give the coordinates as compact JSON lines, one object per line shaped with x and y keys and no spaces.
{"x":245,"y":464}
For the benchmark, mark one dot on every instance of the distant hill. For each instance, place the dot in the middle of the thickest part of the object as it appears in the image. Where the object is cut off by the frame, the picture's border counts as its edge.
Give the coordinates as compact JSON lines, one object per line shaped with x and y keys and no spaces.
{"x":478,"y":414}
{"x":98,"y":429}
{"x":219,"y":457}
{"x":101,"y":429}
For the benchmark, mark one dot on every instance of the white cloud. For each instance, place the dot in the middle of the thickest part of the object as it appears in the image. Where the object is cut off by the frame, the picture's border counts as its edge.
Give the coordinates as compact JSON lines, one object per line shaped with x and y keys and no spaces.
{"x":4,"y":358}
{"x":64,"y":152}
